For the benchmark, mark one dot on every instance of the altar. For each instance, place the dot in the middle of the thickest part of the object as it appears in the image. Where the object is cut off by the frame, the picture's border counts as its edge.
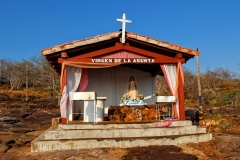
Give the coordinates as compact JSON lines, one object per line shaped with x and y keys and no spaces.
{"x":140,"y":113}
{"x":162,"y":109}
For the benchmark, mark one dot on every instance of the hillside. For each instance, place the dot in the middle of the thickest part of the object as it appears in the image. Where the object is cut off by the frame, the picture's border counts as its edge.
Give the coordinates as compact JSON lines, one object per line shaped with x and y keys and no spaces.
{"x":22,"y":121}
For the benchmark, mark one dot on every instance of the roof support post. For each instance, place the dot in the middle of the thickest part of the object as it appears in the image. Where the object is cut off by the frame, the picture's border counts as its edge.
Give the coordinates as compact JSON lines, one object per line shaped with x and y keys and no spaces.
{"x":181,"y":97}
{"x":64,"y":83}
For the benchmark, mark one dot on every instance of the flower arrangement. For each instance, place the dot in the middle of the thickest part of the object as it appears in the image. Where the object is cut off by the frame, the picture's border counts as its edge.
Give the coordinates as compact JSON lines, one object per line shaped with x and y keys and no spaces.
{"x":140,"y":97}
{"x":126,"y":99}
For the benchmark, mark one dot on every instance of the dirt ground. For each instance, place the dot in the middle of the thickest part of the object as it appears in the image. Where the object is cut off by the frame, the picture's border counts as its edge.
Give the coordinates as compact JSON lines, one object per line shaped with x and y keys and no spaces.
{"x":21,"y":122}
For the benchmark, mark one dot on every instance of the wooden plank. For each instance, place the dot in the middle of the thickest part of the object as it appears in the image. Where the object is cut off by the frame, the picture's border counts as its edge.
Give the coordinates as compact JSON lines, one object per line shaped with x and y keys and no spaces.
{"x":124,"y":60}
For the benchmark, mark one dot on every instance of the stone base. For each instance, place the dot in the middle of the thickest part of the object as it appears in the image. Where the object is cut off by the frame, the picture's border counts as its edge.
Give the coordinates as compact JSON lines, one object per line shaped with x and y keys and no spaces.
{"x":134,"y":113}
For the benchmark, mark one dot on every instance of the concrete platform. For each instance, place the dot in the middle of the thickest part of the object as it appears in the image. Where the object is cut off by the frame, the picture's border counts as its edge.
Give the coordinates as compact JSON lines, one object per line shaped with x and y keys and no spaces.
{"x":54,"y":133}
{"x":120,"y":135}
{"x":111,"y":125}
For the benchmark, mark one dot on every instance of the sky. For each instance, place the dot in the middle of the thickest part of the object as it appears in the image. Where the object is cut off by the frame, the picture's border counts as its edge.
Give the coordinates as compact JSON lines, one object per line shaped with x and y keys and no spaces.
{"x":212,"y":26}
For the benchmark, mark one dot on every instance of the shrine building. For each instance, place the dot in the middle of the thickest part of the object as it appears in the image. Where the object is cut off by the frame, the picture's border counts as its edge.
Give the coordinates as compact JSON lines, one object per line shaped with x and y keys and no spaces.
{"x":103,"y":64}
{"x":108,"y":81}
{"x":95,"y":73}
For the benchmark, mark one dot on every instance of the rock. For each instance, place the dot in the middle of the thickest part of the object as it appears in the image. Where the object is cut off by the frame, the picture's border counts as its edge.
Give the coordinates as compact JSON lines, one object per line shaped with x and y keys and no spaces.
{"x":3,"y":97}
{"x":9,"y":120}
{"x":192,"y":115}
{"x":130,"y":117}
{"x":33,"y":134}
{"x":201,"y":113}
{"x":224,"y":125}
{"x":145,"y":111}
{"x":74,"y":158}
{"x":124,"y":109}
{"x":201,"y":118}
{"x":133,"y":113}
{"x":152,"y":114}
{"x":216,"y":129}
{"x":3,"y":148}
{"x":10,"y":143}
{"x":25,"y":115}
{"x":56,"y":121}
{"x":202,"y":122}
{"x":214,"y":123}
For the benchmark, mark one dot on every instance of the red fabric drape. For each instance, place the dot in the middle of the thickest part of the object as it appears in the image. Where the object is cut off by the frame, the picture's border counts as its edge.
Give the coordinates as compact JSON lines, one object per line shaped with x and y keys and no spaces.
{"x":84,"y":65}
{"x":84,"y":80}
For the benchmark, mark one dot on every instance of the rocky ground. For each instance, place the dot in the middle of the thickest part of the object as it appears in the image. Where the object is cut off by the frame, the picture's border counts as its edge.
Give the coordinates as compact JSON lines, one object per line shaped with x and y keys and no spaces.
{"x":21,"y":122}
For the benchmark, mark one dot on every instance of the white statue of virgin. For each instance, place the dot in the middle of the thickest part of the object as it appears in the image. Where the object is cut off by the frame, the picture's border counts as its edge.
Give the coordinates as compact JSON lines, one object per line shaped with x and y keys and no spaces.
{"x":132,"y":88}
{"x":131,"y":97}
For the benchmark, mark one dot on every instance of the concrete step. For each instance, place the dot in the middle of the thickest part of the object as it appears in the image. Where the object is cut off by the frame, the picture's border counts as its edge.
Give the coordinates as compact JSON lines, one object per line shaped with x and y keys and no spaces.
{"x":40,"y":144}
{"x":110,"y":125}
{"x":56,"y":133}
{"x":120,"y":135}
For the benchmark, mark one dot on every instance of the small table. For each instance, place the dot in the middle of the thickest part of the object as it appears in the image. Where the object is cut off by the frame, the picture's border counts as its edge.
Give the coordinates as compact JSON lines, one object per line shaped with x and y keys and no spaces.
{"x":163,"y":99}
{"x":92,"y":107}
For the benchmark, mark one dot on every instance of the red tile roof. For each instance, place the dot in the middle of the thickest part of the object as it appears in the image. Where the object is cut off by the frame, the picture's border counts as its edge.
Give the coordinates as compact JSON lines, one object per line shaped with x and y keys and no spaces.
{"x":104,"y":37}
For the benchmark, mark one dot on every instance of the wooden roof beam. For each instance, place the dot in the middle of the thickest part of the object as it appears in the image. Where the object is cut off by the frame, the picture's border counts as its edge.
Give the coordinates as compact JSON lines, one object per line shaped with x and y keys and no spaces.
{"x":178,"y":55}
{"x":64,"y":55}
{"x":152,"y":45}
{"x":158,"y":58}
{"x":119,"y":46}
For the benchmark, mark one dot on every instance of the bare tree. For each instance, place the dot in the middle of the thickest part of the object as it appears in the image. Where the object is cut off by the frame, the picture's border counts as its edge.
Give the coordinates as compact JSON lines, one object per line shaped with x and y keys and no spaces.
{"x":37,"y":71}
{"x":45,"y":74}
{"x":161,"y":86}
{"x":9,"y":72}
{"x":190,"y":86}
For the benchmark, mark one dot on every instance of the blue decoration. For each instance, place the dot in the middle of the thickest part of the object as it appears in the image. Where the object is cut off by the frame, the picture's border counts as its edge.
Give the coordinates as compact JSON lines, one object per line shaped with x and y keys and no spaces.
{"x":134,"y":103}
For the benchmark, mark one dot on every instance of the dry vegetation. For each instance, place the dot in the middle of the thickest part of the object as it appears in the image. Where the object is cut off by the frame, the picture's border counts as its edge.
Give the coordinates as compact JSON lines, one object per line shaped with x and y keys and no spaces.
{"x":33,"y":108}
{"x":27,"y":120}
{"x":31,"y":93}
{"x":35,"y":76}
{"x":219,"y":87}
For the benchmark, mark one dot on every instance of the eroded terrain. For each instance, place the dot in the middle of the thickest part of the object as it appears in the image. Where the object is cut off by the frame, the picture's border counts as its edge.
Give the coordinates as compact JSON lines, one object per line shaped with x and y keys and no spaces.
{"x":21,"y":122}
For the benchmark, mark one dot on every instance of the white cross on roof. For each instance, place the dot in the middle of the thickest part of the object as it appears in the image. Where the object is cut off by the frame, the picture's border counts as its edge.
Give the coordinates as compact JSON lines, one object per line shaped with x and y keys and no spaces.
{"x":124,"y":21}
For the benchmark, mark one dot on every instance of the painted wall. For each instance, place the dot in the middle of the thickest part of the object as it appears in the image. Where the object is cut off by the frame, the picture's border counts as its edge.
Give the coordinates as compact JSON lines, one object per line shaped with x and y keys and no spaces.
{"x":112,"y":83}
